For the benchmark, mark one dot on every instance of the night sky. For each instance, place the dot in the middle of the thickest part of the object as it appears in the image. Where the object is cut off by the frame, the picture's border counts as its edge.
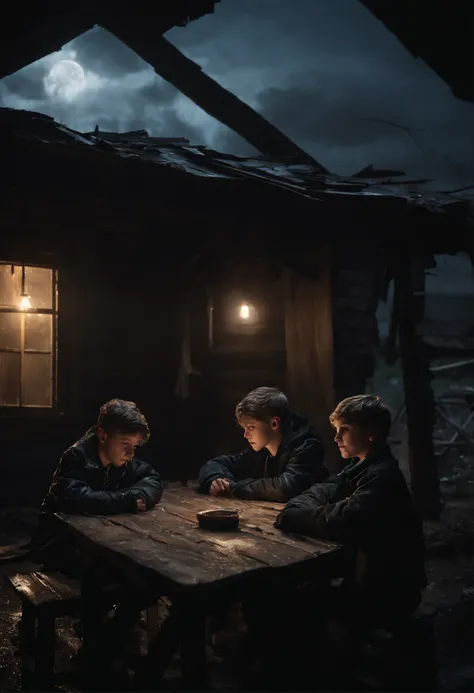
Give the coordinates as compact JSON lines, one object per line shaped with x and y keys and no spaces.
{"x":317,"y":73}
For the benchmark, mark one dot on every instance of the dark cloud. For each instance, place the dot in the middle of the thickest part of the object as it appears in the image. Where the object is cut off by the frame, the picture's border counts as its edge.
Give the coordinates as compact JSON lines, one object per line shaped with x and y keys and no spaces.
{"x":158,"y":92}
{"x":322,"y":71}
{"x":348,"y":125}
{"x":28,"y":82}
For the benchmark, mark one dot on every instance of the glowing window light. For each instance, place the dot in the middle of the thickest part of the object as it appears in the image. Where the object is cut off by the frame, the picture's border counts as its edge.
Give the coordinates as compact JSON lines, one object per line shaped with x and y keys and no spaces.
{"x":25,"y":302}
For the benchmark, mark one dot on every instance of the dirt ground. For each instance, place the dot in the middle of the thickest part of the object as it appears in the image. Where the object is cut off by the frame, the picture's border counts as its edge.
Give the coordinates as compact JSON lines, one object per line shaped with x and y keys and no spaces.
{"x":448,"y":602}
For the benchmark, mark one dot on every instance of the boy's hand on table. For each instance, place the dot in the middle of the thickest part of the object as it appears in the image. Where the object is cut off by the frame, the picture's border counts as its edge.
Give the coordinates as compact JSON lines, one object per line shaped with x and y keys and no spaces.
{"x":220,"y":487}
{"x":141,"y":505}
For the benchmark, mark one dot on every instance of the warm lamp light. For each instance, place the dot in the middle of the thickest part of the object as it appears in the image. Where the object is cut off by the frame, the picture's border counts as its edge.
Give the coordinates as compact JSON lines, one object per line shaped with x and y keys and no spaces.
{"x":25,"y":302}
{"x":244,"y":311}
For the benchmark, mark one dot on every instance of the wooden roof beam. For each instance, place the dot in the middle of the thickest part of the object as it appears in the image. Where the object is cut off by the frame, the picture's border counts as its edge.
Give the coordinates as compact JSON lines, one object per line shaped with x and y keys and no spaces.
{"x":142,"y":36}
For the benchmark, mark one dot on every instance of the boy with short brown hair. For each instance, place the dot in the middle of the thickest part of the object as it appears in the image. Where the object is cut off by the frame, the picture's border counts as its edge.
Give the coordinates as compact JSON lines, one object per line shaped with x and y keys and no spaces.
{"x":368,"y":508}
{"x":283,"y":459}
{"x":100,"y":473}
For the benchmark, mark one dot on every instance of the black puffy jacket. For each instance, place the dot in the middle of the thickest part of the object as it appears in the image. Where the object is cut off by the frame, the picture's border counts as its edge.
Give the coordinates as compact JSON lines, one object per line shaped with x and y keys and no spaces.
{"x":81,"y":484}
{"x":298,"y":463}
{"x":367,"y":507}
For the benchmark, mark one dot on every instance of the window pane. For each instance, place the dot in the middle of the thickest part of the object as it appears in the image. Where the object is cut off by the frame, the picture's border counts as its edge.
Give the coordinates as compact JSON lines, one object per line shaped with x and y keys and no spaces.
{"x":9,"y":380}
{"x":38,"y":332}
{"x":36,"y":384}
{"x":38,"y":286}
{"x":10,"y":286}
{"x":10,"y":330}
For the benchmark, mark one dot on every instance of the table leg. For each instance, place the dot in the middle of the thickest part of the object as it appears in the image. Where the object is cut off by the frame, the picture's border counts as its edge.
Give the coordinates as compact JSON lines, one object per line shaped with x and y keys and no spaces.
{"x":191,"y":616}
{"x":91,"y":609}
{"x":160,"y":652}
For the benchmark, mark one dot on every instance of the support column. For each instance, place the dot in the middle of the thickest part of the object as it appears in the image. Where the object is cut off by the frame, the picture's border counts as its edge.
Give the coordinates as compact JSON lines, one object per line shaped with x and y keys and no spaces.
{"x":419,"y":399}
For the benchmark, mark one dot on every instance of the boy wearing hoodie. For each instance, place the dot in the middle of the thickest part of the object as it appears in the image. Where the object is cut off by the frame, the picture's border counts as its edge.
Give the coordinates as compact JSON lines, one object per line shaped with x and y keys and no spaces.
{"x":283,"y":459}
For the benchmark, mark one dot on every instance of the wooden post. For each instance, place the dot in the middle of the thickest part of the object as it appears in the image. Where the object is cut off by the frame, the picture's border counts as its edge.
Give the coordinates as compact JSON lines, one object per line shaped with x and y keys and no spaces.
{"x":418,"y":393}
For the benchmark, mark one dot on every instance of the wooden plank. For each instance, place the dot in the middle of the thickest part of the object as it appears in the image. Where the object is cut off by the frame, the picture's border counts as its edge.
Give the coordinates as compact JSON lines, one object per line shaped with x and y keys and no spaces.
{"x":182,"y":537}
{"x":182,"y":567}
{"x":199,"y":540}
{"x":40,"y":588}
{"x":256,"y":516}
{"x":256,"y":522}
{"x":168,"y":541}
{"x":233,"y":545}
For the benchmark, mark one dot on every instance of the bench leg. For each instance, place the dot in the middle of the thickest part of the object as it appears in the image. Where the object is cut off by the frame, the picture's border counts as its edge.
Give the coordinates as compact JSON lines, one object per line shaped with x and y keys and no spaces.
{"x":152,"y":621}
{"x":45,"y":647}
{"x":27,"y":626}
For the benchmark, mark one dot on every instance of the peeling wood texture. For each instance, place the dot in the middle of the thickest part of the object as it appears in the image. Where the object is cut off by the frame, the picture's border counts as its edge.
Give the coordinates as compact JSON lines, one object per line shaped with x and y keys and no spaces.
{"x":168,"y":542}
{"x":141,"y":35}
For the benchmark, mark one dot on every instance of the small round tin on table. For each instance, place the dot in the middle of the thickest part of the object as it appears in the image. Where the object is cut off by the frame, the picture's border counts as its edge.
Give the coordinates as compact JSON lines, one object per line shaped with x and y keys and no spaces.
{"x":219,"y":520}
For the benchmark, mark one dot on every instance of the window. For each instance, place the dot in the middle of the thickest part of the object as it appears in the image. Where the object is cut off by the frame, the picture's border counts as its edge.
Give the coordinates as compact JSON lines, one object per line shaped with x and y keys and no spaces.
{"x":28,"y":329}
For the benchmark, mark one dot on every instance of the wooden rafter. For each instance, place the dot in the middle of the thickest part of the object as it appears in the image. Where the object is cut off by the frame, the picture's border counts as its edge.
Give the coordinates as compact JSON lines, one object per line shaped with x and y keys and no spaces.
{"x":142,"y":36}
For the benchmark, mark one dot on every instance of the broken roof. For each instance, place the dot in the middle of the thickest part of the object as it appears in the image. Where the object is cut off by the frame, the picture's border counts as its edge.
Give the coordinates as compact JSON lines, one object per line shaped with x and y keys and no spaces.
{"x":28,"y":36}
{"x":442,"y":34}
{"x":198,"y":160}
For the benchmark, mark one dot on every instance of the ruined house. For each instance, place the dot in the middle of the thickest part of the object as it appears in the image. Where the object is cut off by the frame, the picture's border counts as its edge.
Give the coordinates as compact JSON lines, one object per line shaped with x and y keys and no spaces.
{"x":144,"y":248}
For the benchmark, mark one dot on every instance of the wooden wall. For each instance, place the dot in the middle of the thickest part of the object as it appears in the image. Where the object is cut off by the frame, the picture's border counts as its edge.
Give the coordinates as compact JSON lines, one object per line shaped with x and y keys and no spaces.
{"x":357,"y":274}
{"x":233,"y":357}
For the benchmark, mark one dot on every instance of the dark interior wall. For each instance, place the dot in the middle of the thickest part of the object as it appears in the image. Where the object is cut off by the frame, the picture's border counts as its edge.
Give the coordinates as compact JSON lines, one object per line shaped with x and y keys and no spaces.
{"x":120,"y":234}
{"x":358,"y":269}
{"x":117,"y":337}
{"x":242,"y":356}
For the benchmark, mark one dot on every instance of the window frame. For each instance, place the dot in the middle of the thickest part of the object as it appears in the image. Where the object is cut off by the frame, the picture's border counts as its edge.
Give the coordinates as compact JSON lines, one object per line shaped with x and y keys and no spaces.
{"x":34,"y":409}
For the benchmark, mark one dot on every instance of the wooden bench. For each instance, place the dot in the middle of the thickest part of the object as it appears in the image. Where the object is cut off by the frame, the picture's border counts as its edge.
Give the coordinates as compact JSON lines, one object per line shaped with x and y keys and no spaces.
{"x":47,"y":596}
{"x":44,"y":597}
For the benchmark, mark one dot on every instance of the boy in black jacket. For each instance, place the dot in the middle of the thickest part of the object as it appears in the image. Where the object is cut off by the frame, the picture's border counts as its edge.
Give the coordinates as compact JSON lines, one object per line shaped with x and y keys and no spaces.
{"x":284,"y":458}
{"x":368,"y":508}
{"x":100,"y":475}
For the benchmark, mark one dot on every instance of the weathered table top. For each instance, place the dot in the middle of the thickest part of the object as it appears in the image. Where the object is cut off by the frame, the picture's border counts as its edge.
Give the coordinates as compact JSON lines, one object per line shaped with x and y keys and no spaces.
{"x":168,"y":541}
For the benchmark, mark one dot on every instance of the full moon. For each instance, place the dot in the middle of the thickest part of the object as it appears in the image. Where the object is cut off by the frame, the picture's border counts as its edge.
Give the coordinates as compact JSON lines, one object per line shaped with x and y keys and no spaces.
{"x":66,"y":80}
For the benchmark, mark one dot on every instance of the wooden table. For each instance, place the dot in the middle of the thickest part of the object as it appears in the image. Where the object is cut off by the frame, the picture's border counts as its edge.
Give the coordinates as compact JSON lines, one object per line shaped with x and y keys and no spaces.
{"x":193,"y":567}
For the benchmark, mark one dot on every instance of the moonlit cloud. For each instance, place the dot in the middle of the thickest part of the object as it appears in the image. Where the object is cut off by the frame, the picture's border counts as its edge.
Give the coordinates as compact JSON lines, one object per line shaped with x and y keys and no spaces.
{"x":327,"y":75}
